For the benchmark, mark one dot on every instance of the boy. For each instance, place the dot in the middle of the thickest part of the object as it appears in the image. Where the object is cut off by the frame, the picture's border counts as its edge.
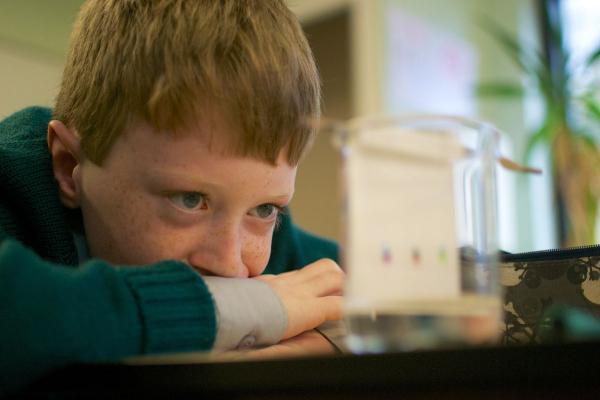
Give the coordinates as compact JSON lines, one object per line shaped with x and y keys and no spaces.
{"x":163,"y":174}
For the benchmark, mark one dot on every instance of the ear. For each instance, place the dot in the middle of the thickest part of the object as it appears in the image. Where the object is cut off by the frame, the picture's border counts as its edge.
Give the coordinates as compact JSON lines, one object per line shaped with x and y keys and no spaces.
{"x":64,"y":145}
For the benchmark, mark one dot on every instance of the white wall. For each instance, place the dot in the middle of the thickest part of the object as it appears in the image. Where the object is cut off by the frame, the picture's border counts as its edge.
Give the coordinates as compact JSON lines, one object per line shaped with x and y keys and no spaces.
{"x":33,"y":43}
{"x":26,"y":81}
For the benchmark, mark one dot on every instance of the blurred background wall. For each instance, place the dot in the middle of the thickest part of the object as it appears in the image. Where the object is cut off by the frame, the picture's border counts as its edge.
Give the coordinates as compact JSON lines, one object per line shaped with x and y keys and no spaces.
{"x":375,"y":57}
{"x":33,"y":43}
{"x":410,"y":56}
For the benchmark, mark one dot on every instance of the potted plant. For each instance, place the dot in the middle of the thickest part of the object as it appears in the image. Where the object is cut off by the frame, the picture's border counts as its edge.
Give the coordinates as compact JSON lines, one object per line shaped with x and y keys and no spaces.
{"x":569,"y":128}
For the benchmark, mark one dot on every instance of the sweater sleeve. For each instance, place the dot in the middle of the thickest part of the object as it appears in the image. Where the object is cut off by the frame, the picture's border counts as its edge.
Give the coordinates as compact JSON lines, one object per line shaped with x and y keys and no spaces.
{"x":53,"y":315}
{"x":294,"y":248}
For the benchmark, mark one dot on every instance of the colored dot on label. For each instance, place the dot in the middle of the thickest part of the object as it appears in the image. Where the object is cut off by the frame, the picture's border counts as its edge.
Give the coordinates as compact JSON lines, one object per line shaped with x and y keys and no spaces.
{"x":442,"y":255}
{"x":386,"y":255}
{"x":416,"y":256}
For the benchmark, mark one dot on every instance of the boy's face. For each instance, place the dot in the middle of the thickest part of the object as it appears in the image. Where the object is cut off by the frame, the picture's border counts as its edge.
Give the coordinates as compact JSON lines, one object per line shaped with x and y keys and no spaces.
{"x":159,"y":196}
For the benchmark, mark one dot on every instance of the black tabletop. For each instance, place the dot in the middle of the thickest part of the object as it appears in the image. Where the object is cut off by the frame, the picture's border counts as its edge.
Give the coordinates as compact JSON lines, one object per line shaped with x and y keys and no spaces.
{"x":561,"y":370}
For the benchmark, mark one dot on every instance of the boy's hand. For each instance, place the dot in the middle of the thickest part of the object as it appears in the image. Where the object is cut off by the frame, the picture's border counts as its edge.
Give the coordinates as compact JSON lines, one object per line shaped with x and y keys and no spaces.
{"x":311,"y":295}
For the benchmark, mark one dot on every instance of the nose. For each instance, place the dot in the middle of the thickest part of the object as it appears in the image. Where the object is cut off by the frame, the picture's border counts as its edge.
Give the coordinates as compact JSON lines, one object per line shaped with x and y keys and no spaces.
{"x":219,"y":252}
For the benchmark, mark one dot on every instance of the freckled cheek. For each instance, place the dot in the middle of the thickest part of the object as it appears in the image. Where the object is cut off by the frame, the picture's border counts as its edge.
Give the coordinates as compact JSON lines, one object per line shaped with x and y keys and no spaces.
{"x":153,"y":239}
{"x":138,"y":237}
{"x":256,"y":253}
{"x":151,"y":249}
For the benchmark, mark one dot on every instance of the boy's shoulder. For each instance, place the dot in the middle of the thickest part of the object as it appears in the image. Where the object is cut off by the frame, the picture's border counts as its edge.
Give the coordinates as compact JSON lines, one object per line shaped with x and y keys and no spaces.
{"x":30,"y":208}
{"x":24,"y":125}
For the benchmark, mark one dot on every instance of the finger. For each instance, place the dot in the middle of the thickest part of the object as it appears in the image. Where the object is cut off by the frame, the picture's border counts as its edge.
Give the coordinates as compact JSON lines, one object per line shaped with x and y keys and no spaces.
{"x":284,"y":275}
{"x":320,"y":278}
{"x":317,"y":267}
{"x":327,"y":282}
{"x":311,"y":273}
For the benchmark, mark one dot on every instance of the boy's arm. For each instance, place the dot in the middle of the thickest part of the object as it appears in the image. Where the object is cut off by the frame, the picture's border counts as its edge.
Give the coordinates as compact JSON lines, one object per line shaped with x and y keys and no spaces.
{"x":268,"y":308}
{"x":51,"y":315}
{"x":310,"y":296}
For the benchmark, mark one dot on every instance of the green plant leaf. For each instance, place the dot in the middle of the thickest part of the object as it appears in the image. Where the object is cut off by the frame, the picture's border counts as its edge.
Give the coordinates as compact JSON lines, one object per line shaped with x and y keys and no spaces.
{"x":591,"y":106}
{"x":535,"y":139}
{"x":588,"y":118}
{"x":545,"y":84}
{"x":507,"y":90}
{"x":545,"y":134}
{"x":589,"y":139}
{"x":522,"y":57}
{"x":594,"y":56}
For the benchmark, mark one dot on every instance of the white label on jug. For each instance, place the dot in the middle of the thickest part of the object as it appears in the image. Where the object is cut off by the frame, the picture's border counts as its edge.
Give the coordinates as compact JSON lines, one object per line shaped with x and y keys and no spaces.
{"x":401,"y":239}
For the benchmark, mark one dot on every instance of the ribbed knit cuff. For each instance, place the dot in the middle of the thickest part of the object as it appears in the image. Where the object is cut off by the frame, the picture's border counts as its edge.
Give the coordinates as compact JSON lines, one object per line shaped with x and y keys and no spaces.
{"x":177,"y":311}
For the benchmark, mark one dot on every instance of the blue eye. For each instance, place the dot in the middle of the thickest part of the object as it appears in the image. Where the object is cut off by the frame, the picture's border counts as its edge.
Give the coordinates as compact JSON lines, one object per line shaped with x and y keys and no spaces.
{"x":265,"y":211}
{"x":189,"y":201}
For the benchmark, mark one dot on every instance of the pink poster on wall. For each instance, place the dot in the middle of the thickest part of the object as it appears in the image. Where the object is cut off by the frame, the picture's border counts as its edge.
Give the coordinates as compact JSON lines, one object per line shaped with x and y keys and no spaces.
{"x":427,"y":69}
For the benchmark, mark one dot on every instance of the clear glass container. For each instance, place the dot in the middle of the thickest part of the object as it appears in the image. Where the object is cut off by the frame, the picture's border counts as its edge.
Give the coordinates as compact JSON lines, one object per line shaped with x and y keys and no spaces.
{"x":420,"y":233}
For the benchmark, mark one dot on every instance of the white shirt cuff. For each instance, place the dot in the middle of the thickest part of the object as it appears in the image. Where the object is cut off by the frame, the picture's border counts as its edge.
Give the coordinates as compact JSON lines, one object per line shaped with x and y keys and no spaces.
{"x":249,"y":313}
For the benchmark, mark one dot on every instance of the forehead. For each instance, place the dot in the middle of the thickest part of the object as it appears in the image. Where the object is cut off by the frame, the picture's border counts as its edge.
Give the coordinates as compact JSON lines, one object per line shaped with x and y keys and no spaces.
{"x":202,"y":150}
{"x":210,"y":127}
{"x":222,"y":133}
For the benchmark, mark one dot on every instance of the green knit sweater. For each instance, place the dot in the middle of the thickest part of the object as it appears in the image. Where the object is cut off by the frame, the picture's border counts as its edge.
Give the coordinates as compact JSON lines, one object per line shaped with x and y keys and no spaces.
{"x":54,"y":312}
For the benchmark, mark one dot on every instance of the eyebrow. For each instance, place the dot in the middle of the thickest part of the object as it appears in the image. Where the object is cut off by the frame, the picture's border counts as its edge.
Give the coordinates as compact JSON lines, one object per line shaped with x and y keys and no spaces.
{"x":188,"y":179}
{"x":201,"y":183}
